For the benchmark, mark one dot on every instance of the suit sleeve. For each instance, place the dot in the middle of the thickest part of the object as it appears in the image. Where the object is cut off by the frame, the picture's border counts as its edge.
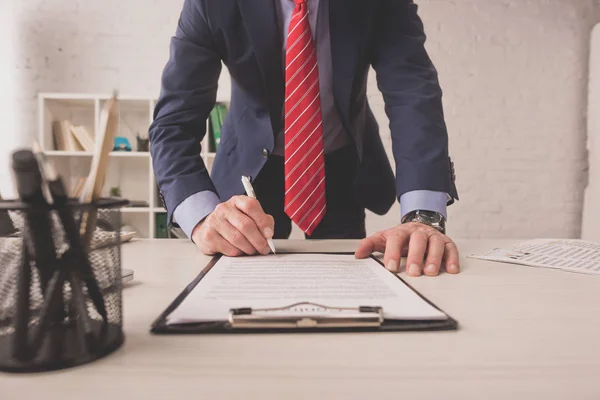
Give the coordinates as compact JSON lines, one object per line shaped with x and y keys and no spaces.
{"x":188,"y":94}
{"x":413,"y":100}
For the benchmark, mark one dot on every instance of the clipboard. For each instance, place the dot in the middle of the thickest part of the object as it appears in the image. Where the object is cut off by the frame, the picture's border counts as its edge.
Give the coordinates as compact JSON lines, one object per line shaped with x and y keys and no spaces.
{"x":367,"y":318}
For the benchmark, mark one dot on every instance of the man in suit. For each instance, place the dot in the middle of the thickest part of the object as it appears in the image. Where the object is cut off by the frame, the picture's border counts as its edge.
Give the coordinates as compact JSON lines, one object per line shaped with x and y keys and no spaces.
{"x":300,"y":125}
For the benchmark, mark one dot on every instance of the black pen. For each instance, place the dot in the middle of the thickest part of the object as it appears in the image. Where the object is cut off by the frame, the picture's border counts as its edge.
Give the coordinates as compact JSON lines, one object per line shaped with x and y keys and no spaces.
{"x":37,"y":218}
{"x":59,"y":198}
{"x":54,"y":295}
{"x":21,"y":336}
{"x":38,"y":244}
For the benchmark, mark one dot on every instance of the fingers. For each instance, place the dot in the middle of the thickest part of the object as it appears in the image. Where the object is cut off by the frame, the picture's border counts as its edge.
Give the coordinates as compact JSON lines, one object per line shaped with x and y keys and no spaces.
{"x":235,"y":236}
{"x":224,"y":247}
{"x":416,"y":253}
{"x":369,"y":245}
{"x":393,"y":251}
{"x":435,"y":253}
{"x":249,"y":230}
{"x":252,"y":208}
{"x":236,"y":227}
{"x":418,"y":244}
{"x":210,"y":242}
{"x":451,"y":255}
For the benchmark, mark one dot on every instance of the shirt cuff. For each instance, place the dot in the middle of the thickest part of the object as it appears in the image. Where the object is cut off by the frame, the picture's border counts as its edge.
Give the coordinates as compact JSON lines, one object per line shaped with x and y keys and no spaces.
{"x":426,"y":200}
{"x":194,"y":209}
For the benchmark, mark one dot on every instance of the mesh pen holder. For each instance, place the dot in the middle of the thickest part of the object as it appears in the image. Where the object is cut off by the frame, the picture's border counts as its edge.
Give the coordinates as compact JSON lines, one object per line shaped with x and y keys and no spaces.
{"x":63,"y":313}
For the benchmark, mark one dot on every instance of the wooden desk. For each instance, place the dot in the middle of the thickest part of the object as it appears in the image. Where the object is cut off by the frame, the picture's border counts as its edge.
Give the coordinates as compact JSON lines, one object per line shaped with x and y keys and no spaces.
{"x":525,"y":334}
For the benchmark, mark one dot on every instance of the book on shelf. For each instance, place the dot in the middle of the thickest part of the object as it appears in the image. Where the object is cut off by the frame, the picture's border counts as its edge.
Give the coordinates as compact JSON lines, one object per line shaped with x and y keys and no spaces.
{"x":83,"y":137}
{"x":73,"y":144}
{"x":68,"y":137}
{"x":214,"y":129}
{"x":60,"y":129}
{"x":162,"y":226}
{"x":216,"y":119}
{"x":222,"y":110}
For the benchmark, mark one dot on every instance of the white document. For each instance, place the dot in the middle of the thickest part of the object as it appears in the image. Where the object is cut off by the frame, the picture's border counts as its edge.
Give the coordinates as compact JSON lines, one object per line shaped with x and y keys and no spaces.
{"x":284,"y":279}
{"x":566,"y":254}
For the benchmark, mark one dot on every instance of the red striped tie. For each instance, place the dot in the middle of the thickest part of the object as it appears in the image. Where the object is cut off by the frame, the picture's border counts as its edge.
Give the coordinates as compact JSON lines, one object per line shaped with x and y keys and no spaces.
{"x":304,"y":156}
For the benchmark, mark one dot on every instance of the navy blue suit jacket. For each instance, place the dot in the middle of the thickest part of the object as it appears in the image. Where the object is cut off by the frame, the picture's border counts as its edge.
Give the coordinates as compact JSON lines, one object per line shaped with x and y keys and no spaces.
{"x":244,"y":35}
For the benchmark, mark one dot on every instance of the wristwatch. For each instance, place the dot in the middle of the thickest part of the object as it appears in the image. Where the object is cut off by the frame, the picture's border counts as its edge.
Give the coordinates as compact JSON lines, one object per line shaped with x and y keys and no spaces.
{"x":430,"y":218}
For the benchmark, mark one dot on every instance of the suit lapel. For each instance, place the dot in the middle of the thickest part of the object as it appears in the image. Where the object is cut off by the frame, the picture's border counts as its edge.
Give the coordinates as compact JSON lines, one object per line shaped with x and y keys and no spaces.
{"x":261,"y":21}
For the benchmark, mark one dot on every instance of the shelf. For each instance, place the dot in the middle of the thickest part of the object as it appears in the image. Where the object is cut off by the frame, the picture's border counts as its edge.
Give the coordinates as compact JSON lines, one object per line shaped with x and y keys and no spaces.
{"x":137,"y":105}
{"x":143,"y":209}
{"x":130,"y":171}
{"x":142,"y":154}
{"x":74,"y":97}
{"x":77,"y":101}
{"x":135,"y":209}
{"x":58,"y":153}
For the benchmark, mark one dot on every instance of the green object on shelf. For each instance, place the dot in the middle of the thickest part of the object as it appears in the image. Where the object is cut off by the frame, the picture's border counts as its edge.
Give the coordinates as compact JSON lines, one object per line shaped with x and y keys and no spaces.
{"x":217,"y":117}
{"x":162,"y":228}
{"x":215,"y":130}
{"x":222,"y":109}
{"x":115,"y":191}
{"x":222,"y":113}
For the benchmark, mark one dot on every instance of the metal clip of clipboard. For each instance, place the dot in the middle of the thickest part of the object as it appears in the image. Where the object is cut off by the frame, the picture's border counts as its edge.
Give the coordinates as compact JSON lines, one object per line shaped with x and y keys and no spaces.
{"x":306,"y":315}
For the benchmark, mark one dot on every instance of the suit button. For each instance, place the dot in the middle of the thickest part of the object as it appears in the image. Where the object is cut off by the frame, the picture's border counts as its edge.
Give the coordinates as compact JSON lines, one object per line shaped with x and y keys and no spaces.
{"x":265,"y":153}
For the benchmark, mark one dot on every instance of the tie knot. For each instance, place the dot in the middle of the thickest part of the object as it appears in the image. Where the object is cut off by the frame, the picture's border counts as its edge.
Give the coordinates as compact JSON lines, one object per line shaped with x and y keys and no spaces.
{"x":298,"y":2}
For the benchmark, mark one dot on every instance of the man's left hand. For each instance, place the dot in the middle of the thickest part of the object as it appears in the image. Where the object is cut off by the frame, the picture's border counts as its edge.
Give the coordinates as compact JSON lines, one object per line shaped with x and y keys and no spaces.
{"x":426,"y":248}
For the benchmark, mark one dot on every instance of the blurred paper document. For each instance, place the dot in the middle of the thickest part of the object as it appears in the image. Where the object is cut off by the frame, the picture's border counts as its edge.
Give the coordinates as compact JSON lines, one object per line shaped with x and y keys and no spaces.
{"x":284,"y":279}
{"x":566,"y":254}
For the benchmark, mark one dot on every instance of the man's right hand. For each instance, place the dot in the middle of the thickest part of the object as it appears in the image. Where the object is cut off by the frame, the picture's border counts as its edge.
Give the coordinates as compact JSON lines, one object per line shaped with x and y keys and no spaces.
{"x":236,"y":227}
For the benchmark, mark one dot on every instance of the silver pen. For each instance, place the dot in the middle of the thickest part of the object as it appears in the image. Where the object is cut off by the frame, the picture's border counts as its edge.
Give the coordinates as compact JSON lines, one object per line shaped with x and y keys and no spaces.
{"x":250,"y":192}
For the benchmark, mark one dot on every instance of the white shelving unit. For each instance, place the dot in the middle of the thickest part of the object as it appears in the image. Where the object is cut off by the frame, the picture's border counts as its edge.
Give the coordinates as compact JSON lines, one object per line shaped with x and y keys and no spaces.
{"x":130,"y":171}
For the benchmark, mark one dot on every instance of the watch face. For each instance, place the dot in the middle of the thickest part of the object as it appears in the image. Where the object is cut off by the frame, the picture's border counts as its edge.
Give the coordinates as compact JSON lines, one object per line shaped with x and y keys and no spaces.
{"x":430,"y":217}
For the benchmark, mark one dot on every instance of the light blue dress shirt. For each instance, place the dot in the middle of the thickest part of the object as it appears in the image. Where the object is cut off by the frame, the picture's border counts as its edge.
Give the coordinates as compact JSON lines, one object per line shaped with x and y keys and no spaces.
{"x":197,"y":206}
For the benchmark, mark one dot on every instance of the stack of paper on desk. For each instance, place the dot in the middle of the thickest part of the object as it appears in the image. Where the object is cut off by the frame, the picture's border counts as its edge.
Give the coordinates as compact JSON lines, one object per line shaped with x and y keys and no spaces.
{"x":566,"y":254}
{"x":280,"y":280}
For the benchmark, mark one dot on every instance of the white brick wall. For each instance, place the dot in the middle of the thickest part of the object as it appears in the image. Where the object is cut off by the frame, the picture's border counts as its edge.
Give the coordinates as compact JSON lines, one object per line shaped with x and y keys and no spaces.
{"x":7,"y":106}
{"x":514,"y":74}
